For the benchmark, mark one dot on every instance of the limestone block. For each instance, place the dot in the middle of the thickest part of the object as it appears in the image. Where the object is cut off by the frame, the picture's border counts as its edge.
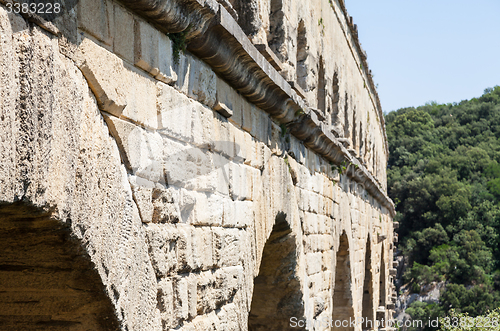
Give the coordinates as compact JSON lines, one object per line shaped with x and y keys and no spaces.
{"x":229,"y":97}
{"x":202,"y":83}
{"x":223,"y":110}
{"x":229,"y":318}
{"x":262,"y":156}
{"x":238,"y":214}
{"x":261,"y":126}
{"x":181,"y":297}
{"x":189,"y":167}
{"x":314,"y":262}
{"x":166,"y":73}
{"x":187,"y":201}
{"x":246,"y":115}
{"x":202,"y":127}
{"x":249,"y":149}
{"x":123,"y":41}
{"x":183,"y":118}
{"x":146,"y":51}
{"x":202,"y":248}
{"x":102,"y":70}
{"x":300,"y":199}
{"x":327,"y":275}
{"x":223,"y":136}
{"x":155,"y":203}
{"x":322,"y":223}
{"x":192,"y":288}
{"x":184,"y":248}
{"x":182,"y":68}
{"x":174,"y":110}
{"x":240,"y":181}
{"x":313,"y":201}
{"x":165,"y":207}
{"x":355,"y":216}
{"x":328,"y":207}
{"x":298,"y":150}
{"x":143,"y":150}
{"x":221,"y":165}
{"x":318,"y":305}
{"x":304,"y":178}
{"x":143,"y":199}
{"x":256,"y":184}
{"x":239,"y":145}
{"x":317,"y":182}
{"x":166,"y":301}
{"x":315,"y":283}
{"x":162,"y":248}
{"x":276,"y":135}
{"x":310,"y":223}
{"x":141,"y":97}
{"x":327,"y":259}
{"x":227,"y":246}
{"x":12,"y":27}
{"x":312,"y":243}
{"x":210,"y":322}
{"x":93,"y":17}
{"x":206,"y":210}
{"x":207,"y":294}
{"x":228,"y":281}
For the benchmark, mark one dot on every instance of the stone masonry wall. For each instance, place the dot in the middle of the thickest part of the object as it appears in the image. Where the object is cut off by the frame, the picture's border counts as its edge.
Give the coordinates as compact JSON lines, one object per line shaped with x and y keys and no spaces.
{"x":199,"y":206}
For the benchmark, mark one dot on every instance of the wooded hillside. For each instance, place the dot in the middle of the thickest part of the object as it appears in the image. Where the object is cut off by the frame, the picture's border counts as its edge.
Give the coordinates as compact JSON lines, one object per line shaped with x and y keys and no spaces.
{"x":444,"y":176}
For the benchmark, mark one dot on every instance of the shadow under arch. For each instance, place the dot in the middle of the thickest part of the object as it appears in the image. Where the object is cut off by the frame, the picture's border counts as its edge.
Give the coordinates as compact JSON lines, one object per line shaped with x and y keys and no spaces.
{"x":277,"y":294}
{"x":381,"y":310}
{"x":368,"y":309}
{"x":47,"y":281}
{"x":343,"y":308}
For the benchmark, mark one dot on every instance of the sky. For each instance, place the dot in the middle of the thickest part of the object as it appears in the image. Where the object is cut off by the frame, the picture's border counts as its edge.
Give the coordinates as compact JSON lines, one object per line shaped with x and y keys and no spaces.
{"x":421,"y":51}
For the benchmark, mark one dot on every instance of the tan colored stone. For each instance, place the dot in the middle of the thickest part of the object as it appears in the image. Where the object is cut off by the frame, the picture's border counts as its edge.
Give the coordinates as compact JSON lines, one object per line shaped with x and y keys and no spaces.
{"x":123,"y":40}
{"x":102,"y":70}
{"x":146,"y":53}
{"x":93,"y":17}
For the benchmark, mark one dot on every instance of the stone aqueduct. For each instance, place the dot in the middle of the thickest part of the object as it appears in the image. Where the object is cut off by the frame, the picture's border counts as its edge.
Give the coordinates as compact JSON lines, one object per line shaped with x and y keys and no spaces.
{"x":239,"y":185}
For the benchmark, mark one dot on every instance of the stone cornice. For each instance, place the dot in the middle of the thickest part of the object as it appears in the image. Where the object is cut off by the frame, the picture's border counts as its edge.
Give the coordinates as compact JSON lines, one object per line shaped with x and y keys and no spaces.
{"x":216,"y":38}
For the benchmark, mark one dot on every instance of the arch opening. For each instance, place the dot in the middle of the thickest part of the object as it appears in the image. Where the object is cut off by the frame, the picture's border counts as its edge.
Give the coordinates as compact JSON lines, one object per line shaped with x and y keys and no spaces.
{"x":47,"y":281}
{"x":321,"y":96}
{"x":277,"y":295}
{"x":382,"y":290}
{"x":342,"y":295}
{"x":302,"y":53}
{"x":368,"y":320}
{"x":335,"y":100}
{"x":276,"y":35}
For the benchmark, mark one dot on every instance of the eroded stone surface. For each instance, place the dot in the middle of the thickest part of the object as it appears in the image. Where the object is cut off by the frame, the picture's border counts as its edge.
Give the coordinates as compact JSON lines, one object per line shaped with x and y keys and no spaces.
{"x":194,"y":221}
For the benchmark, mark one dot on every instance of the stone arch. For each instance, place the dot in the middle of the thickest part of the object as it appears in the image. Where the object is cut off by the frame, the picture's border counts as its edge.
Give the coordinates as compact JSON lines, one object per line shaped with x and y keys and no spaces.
{"x":354,"y":128}
{"x":382,"y":290}
{"x":335,"y":100}
{"x":276,"y":35}
{"x":347,"y":133}
{"x":368,"y":309}
{"x":342,"y":296}
{"x":302,"y":53}
{"x":321,"y":94}
{"x":47,"y":281}
{"x":248,"y":15}
{"x":277,"y":294}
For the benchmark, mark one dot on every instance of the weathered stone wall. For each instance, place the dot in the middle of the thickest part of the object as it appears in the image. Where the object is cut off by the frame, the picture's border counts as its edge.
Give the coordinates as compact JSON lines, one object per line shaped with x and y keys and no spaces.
{"x":210,"y":194}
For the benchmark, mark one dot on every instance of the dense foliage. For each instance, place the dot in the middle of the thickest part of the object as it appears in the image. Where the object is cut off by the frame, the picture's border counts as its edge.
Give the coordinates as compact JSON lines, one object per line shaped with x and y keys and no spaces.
{"x":464,"y":322}
{"x":444,"y":176}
